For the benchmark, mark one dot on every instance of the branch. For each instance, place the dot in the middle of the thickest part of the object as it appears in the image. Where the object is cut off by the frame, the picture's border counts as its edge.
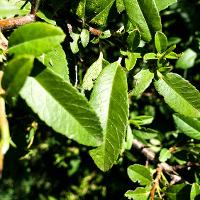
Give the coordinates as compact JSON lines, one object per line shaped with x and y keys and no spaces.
{"x":7,"y":24}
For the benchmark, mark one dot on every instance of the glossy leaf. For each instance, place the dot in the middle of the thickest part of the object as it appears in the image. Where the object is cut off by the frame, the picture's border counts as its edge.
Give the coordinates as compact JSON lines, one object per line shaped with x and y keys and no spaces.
{"x":179,"y":94}
{"x":187,"y":125}
{"x":130,"y":61}
{"x":60,"y":105}
{"x":92,"y":73}
{"x":160,"y":42}
{"x":139,"y":193}
{"x":145,"y":16}
{"x":142,"y":81}
{"x":187,"y":59}
{"x":56,"y":60}
{"x":16,"y":73}
{"x":139,"y":173}
{"x":150,"y":56}
{"x":26,"y":40}
{"x":195,"y":191}
{"x":110,"y":101}
{"x":162,"y":4}
{"x":74,"y":44}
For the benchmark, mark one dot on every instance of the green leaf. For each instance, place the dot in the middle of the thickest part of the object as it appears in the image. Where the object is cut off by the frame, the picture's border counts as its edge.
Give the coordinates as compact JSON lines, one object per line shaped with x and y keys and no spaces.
{"x":74,"y":44}
{"x":187,"y":125}
{"x":129,"y":139}
{"x":85,"y":37}
{"x":35,"y":39}
{"x":16,"y":73}
{"x":195,"y":192}
{"x":81,"y":9}
{"x":98,"y":10}
{"x":150,"y":56}
{"x":133,"y":39}
{"x":138,"y":194}
{"x":130,"y":61}
{"x":178,"y":192}
{"x":162,"y":4}
{"x":145,"y":133}
{"x":7,"y":9}
{"x":187,"y":59}
{"x":56,"y":60}
{"x":92,"y":73}
{"x":42,"y":16}
{"x":165,"y":154}
{"x":110,"y":101}
{"x":141,"y":174}
{"x":141,"y":120}
{"x":62,"y":107}
{"x":160,"y":42}
{"x":120,"y":6}
{"x":142,"y":81}
{"x":145,"y":16}
{"x":179,"y":94}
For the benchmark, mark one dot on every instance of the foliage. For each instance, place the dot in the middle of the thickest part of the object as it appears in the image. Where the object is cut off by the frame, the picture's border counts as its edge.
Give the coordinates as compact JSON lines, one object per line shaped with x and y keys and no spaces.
{"x":93,"y":89}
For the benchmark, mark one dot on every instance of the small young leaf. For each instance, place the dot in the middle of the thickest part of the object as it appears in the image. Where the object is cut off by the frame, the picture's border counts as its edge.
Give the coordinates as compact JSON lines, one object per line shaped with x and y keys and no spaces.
{"x":165,"y":154}
{"x":187,"y":125}
{"x":150,"y":56}
{"x":133,"y":39}
{"x":81,"y":9}
{"x":160,"y":42}
{"x":7,"y":9}
{"x":130,"y":61}
{"x":141,"y":174}
{"x":187,"y":59}
{"x":179,"y":94}
{"x":139,"y":193}
{"x":16,"y":73}
{"x":92,"y":73}
{"x":142,"y":81}
{"x":141,"y":120}
{"x":195,"y":191}
{"x":129,"y":139}
{"x":145,"y":16}
{"x":74,"y":44}
{"x":145,"y":133}
{"x":62,"y":107}
{"x":85,"y":37}
{"x":35,"y":39}
{"x":110,"y":101}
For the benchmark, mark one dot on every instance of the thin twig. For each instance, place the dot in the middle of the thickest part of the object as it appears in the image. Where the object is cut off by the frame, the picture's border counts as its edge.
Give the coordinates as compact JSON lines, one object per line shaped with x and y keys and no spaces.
{"x":7,"y":24}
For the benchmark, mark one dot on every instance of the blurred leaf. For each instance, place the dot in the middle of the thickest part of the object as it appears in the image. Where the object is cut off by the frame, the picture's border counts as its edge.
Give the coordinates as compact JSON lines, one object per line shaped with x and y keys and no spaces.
{"x":7,"y":9}
{"x":139,"y":193}
{"x":142,"y":81}
{"x":160,"y":41}
{"x":81,"y":9}
{"x":139,"y":173}
{"x":26,"y":40}
{"x":110,"y":101}
{"x":129,"y":138}
{"x":145,"y":16}
{"x":56,"y":60}
{"x":162,"y":4}
{"x":187,"y":125}
{"x":15,"y":74}
{"x":165,"y":154}
{"x":195,"y":192}
{"x":179,"y":94}
{"x":92,"y":73}
{"x":85,"y":37}
{"x":145,"y":133}
{"x":130,"y":61}
{"x":48,"y":93}
{"x":187,"y":59}
{"x":141,"y":120}
{"x":42,"y":16}
{"x":120,"y":6}
{"x":178,"y":192}
{"x":150,"y":56}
